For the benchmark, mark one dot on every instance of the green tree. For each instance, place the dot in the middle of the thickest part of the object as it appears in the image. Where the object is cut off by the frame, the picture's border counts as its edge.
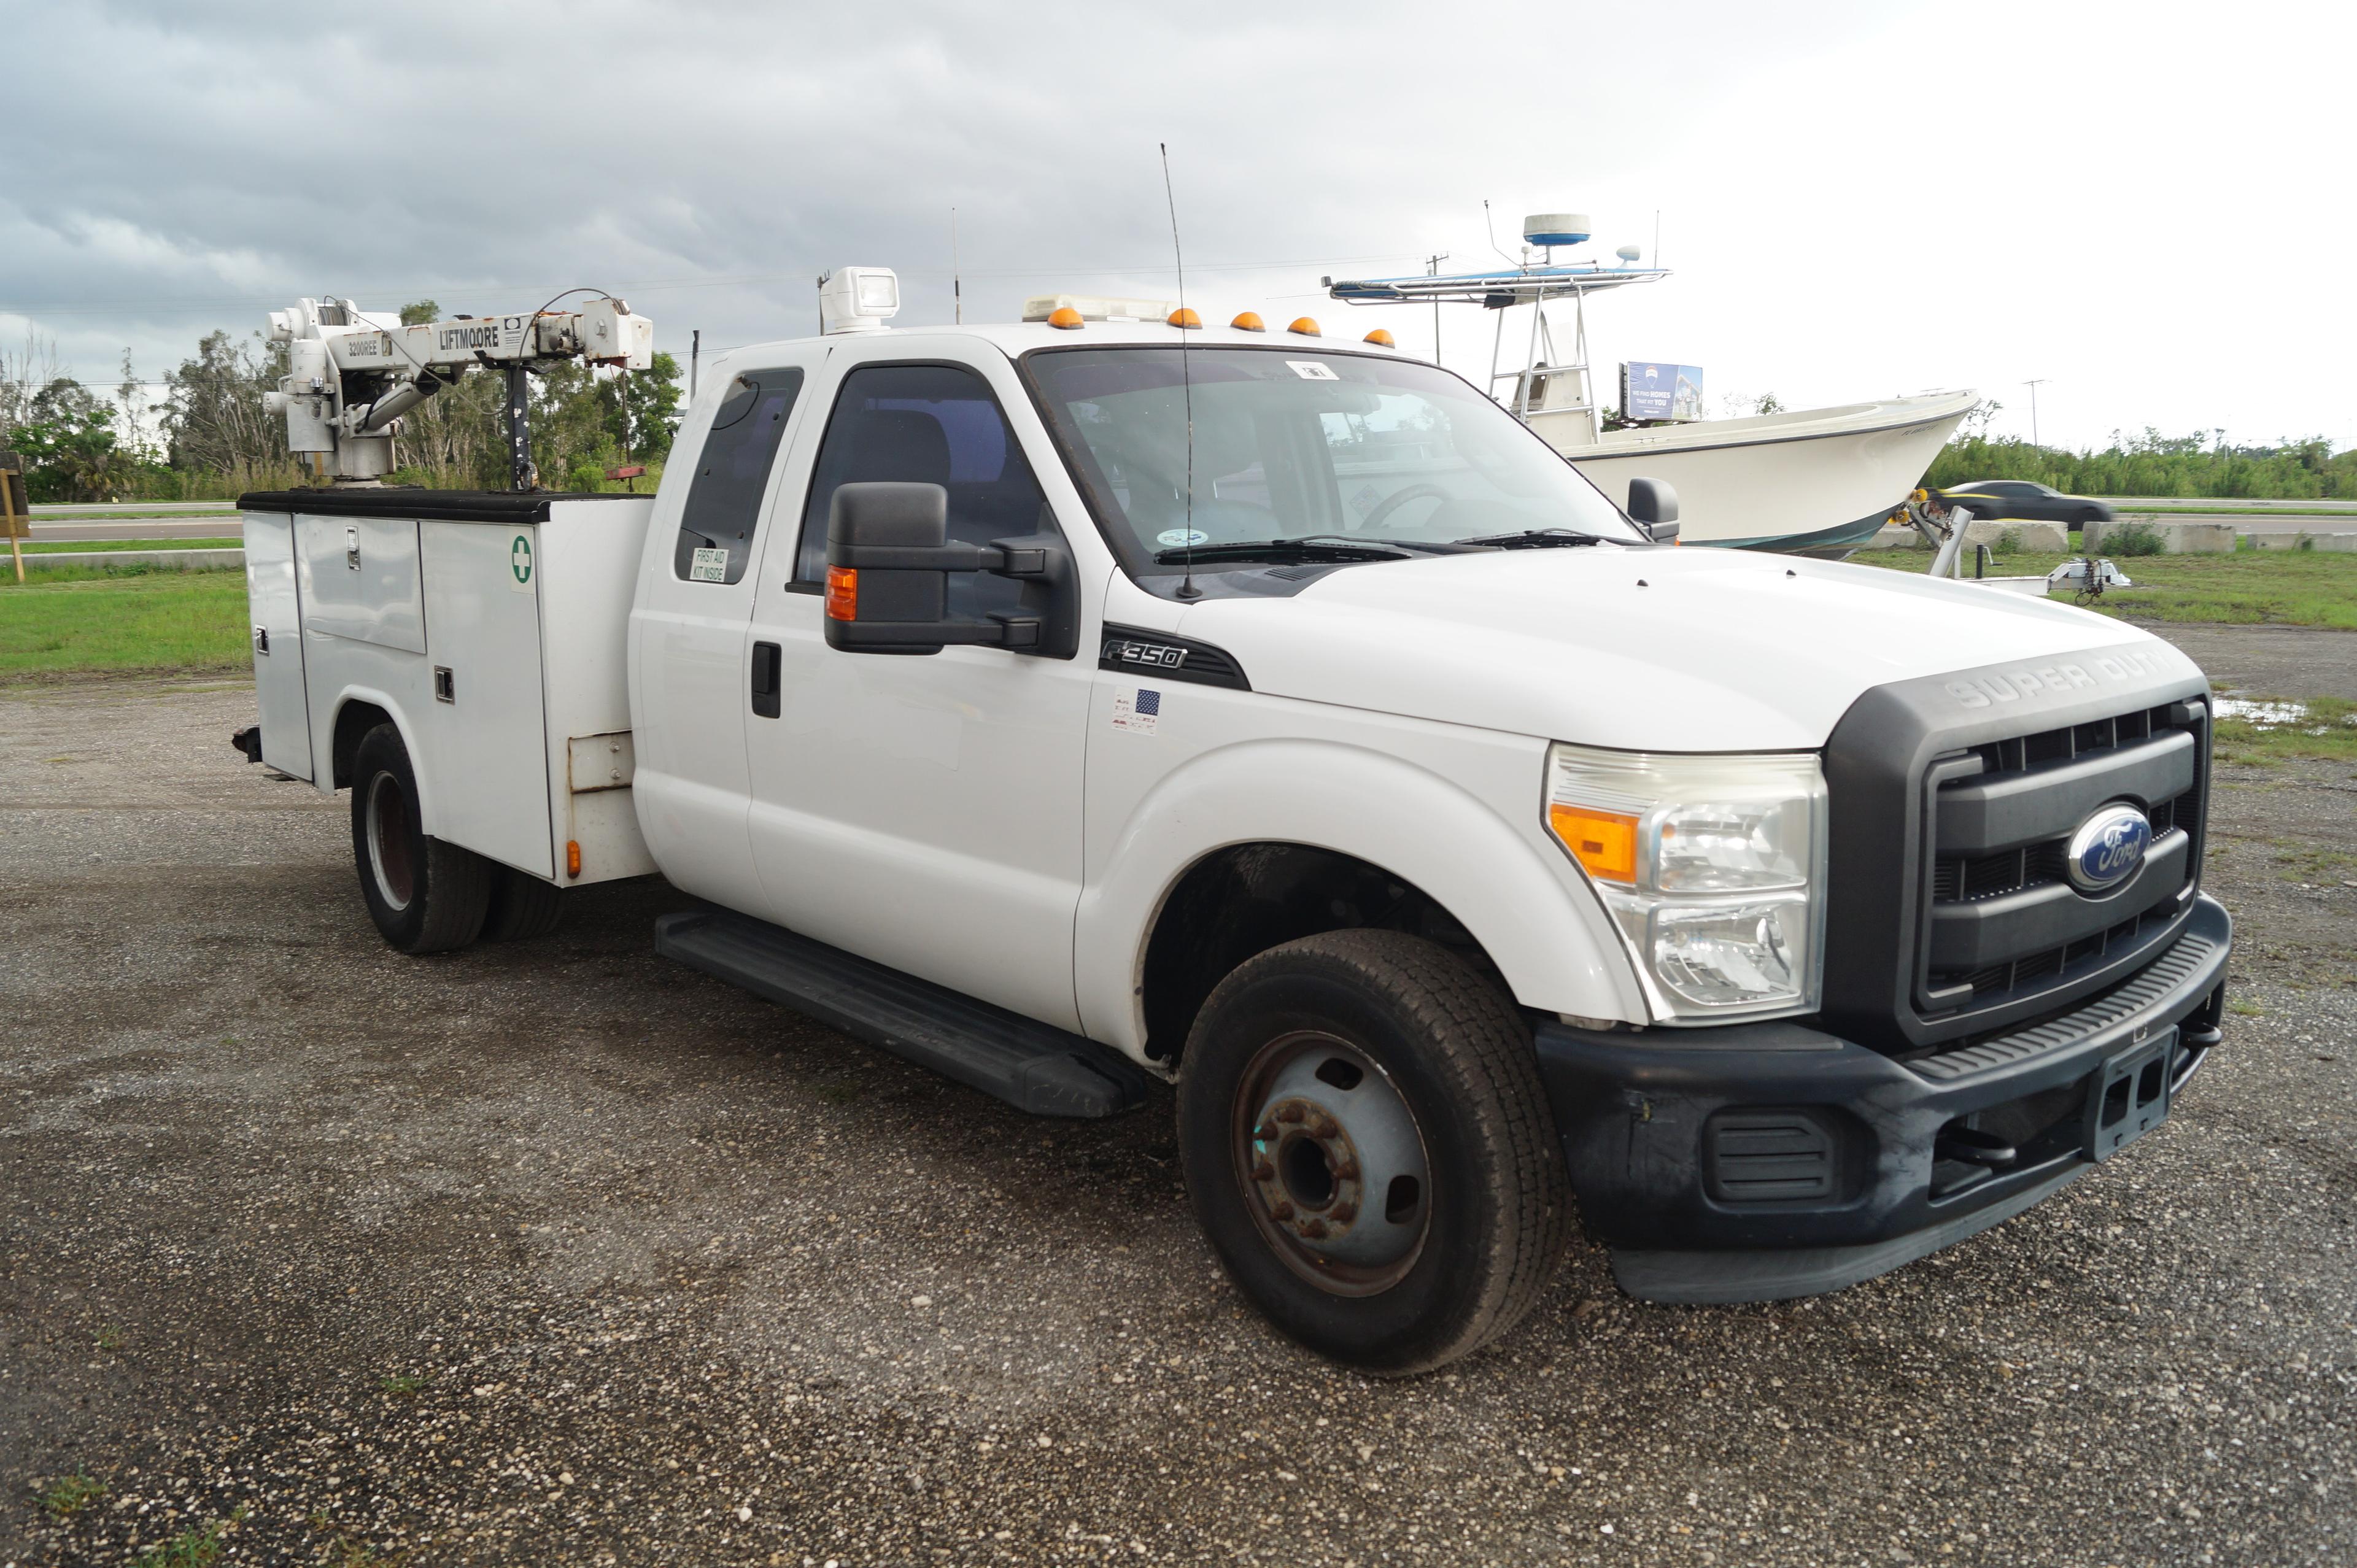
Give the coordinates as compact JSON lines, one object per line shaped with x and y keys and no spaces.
{"x":68,"y":445}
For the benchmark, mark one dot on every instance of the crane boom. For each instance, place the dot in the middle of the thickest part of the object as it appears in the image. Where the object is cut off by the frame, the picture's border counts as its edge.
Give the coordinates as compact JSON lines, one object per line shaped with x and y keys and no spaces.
{"x":351,"y":374}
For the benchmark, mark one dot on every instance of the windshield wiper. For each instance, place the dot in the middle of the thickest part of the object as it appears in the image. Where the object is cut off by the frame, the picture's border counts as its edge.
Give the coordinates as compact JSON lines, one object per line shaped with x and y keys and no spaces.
{"x":1536,"y":539}
{"x":1309,"y":547}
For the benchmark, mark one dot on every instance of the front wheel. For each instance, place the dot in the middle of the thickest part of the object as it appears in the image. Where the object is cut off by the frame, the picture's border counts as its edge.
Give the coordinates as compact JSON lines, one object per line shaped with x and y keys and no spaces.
{"x":423,"y":894}
{"x":1369,"y":1148}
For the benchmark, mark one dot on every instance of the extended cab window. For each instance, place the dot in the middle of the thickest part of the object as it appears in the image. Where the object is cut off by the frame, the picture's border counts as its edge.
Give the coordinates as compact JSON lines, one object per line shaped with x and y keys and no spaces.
{"x":931,"y":424}
{"x":732,"y":473}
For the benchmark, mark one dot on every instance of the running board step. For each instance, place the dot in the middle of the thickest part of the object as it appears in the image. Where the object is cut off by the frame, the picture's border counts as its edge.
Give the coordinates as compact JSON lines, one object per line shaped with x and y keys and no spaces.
{"x":1032,"y":1066}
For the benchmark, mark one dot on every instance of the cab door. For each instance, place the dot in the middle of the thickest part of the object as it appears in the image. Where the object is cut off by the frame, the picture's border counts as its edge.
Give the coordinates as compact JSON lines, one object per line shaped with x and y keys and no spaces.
{"x":923,"y":812}
{"x":692,"y":619}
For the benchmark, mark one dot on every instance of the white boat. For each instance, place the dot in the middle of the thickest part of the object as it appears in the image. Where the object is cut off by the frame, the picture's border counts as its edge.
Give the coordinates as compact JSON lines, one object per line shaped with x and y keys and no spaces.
{"x":1816,"y":479}
{"x":1813,"y":480}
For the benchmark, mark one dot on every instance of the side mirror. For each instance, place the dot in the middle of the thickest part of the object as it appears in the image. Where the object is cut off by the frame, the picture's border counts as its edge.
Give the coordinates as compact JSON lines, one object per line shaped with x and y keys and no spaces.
{"x":889,"y":557}
{"x":1653,"y":507}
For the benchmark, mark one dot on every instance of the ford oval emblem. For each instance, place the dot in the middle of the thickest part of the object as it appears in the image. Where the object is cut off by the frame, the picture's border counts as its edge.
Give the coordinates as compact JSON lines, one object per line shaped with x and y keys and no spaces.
{"x":2108,"y":847}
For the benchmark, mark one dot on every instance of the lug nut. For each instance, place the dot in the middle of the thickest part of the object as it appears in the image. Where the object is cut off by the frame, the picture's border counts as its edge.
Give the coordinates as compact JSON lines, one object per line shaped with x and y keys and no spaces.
{"x":1291,"y":1113}
{"x":1314,"y":1229}
{"x":1343,"y":1213}
{"x":1346,"y":1169}
{"x":1266,"y":1132}
{"x":1263,"y":1171}
{"x":1282,"y":1209}
{"x":1324,"y":1127}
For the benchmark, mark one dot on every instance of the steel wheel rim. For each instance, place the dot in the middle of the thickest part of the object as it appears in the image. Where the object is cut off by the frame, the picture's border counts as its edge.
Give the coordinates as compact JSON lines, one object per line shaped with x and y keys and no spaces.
{"x":1320,"y":1165}
{"x":390,"y":860}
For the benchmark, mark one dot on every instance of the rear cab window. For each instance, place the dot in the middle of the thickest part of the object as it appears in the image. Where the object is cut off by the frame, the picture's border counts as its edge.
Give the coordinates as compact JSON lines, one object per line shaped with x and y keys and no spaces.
{"x":732,"y":474}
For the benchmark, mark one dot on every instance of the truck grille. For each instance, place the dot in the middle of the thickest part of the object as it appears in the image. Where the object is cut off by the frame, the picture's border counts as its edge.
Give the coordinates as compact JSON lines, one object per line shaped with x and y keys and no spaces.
{"x":2090,"y":764}
{"x":1950,"y":908}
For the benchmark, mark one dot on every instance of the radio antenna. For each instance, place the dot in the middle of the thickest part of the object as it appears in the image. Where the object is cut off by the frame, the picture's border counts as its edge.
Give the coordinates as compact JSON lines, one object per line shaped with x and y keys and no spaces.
{"x":1491,"y":228}
{"x":957,"y":288}
{"x":1187,"y":590}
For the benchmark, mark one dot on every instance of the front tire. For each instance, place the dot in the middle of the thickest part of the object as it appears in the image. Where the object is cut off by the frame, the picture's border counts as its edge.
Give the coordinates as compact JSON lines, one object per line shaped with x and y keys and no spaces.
{"x":1369,"y":1149}
{"x":423,"y":894}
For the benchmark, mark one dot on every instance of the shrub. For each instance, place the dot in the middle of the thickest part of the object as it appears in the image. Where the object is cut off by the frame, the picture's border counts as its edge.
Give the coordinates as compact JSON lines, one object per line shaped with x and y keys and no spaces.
{"x":2132,"y":539}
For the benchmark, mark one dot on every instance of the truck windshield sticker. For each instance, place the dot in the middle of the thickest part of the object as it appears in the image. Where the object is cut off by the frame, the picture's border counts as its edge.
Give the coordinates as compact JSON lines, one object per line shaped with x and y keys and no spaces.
{"x":1137,"y":709}
{"x":1175,"y":538}
{"x":709,"y":566}
{"x":1312,"y":370}
{"x":520,"y":563}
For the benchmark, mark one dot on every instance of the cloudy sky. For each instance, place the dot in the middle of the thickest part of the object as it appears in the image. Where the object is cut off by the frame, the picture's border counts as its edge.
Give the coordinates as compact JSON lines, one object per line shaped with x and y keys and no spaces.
{"x":2145,"y":204}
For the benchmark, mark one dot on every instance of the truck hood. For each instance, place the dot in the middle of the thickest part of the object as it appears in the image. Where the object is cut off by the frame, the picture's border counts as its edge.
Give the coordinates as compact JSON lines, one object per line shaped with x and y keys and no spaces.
{"x":1659,"y":650}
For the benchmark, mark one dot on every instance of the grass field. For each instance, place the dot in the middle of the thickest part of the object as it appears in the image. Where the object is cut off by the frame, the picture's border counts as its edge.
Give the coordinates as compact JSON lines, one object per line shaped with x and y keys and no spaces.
{"x":2250,"y":587}
{"x":128,"y":620}
{"x":70,"y":547}
{"x":2328,"y":731}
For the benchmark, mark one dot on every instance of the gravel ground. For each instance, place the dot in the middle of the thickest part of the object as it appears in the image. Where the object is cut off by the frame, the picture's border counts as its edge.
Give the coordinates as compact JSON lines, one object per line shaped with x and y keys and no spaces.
{"x":557,"y":1253}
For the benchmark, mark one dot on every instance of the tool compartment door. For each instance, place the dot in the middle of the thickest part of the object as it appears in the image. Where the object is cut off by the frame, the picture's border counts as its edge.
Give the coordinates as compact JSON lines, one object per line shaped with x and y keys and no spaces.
{"x":360,"y":579}
{"x":486,"y":728}
{"x":275,"y":607}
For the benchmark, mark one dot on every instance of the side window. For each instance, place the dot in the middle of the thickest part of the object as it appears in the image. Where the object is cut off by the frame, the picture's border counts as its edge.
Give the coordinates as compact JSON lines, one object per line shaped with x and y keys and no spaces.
{"x":732,"y":473}
{"x":933,"y":424}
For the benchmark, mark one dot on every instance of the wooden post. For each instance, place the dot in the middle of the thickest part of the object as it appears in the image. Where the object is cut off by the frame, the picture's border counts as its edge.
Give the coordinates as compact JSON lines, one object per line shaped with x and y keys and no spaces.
{"x":14,"y":512}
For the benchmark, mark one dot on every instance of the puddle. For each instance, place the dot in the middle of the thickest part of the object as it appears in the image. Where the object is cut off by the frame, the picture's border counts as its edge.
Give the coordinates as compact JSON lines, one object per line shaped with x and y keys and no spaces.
{"x":2267,"y":714}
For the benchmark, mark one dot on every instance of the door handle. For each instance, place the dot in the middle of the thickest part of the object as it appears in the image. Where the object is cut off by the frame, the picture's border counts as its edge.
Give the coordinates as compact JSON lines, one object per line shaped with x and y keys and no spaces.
{"x":765,"y":678}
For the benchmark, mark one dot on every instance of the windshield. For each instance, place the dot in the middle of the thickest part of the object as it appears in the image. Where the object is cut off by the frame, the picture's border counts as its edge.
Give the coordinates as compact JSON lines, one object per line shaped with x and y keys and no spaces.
{"x":1290,"y":444}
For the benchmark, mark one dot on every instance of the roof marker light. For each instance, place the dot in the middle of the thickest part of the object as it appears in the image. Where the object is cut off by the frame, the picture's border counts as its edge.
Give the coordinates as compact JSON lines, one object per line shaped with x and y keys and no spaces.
{"x":1182,"y":316}
{"x":1381,"y":339}
{"x":1065,"y":316}
{"x":1249,"y":321}
{"x":1305,"y":326}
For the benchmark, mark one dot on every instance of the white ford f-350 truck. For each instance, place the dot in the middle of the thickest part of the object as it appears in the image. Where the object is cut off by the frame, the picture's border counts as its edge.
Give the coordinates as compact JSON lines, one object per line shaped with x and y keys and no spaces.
{"x":1077,"y":703}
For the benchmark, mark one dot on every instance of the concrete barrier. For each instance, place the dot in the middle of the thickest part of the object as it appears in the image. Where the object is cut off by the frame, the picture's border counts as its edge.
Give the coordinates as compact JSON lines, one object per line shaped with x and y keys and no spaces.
{"x":2337,"y":543}
{"x":2175,"y":538}
{"x":2044,"y":538}
{"x":169,"y":560}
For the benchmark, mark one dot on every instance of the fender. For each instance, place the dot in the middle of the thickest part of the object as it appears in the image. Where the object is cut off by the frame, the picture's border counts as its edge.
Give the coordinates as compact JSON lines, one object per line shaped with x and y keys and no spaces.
{"x":1521,"y":899}
{"x":323,"y":744}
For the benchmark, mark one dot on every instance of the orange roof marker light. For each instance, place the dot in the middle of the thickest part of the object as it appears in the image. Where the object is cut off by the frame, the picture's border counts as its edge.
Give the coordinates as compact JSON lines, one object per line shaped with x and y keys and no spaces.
{"x":1305,"y":326}
{"x":1065,"y":316}
{"x":1182,"y":316}
{"x":1249,"y":321}
{"x":1381,"y":339}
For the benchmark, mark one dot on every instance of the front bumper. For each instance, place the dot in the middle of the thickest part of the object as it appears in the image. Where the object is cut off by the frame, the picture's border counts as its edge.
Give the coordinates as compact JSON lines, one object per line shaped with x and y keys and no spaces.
{"x":1764,"y":1160}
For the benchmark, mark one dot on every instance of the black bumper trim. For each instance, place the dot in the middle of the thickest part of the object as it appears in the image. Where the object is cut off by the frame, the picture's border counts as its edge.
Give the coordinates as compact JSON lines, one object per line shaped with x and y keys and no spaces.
{"x":2180,"y":969}
{"x":1784,"y":1273}
{"x":1642,"y":1115}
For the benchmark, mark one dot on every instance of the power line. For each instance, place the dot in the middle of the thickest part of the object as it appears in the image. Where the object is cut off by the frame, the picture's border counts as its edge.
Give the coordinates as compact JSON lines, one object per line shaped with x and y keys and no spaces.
{"x":201,"y":303}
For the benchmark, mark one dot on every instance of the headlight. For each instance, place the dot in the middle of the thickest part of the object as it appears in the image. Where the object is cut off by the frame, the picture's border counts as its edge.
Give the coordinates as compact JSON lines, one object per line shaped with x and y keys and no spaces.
{"x":1713,"y":868}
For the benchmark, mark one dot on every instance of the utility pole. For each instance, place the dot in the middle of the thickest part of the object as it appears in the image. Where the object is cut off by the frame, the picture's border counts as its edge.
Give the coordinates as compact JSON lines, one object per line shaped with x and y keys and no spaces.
{"x":1432,"y":269}
{"x":2033,"y":387}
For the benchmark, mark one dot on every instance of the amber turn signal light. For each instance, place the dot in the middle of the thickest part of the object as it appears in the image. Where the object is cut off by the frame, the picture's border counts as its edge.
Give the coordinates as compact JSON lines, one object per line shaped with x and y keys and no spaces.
{"x":1605,"y":843}
{"x":1065,"y":316}
{"x":1249,"y":321}
{"x":1381,"y":339}
{"x":843,"y":593}
{"x":572,"y":857}
{"x":1182,"y":316}
{"x":1306,"y":327}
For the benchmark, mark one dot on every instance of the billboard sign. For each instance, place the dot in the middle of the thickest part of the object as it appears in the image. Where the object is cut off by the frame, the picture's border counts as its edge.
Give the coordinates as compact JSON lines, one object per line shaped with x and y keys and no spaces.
{"x":1651,"y":390}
